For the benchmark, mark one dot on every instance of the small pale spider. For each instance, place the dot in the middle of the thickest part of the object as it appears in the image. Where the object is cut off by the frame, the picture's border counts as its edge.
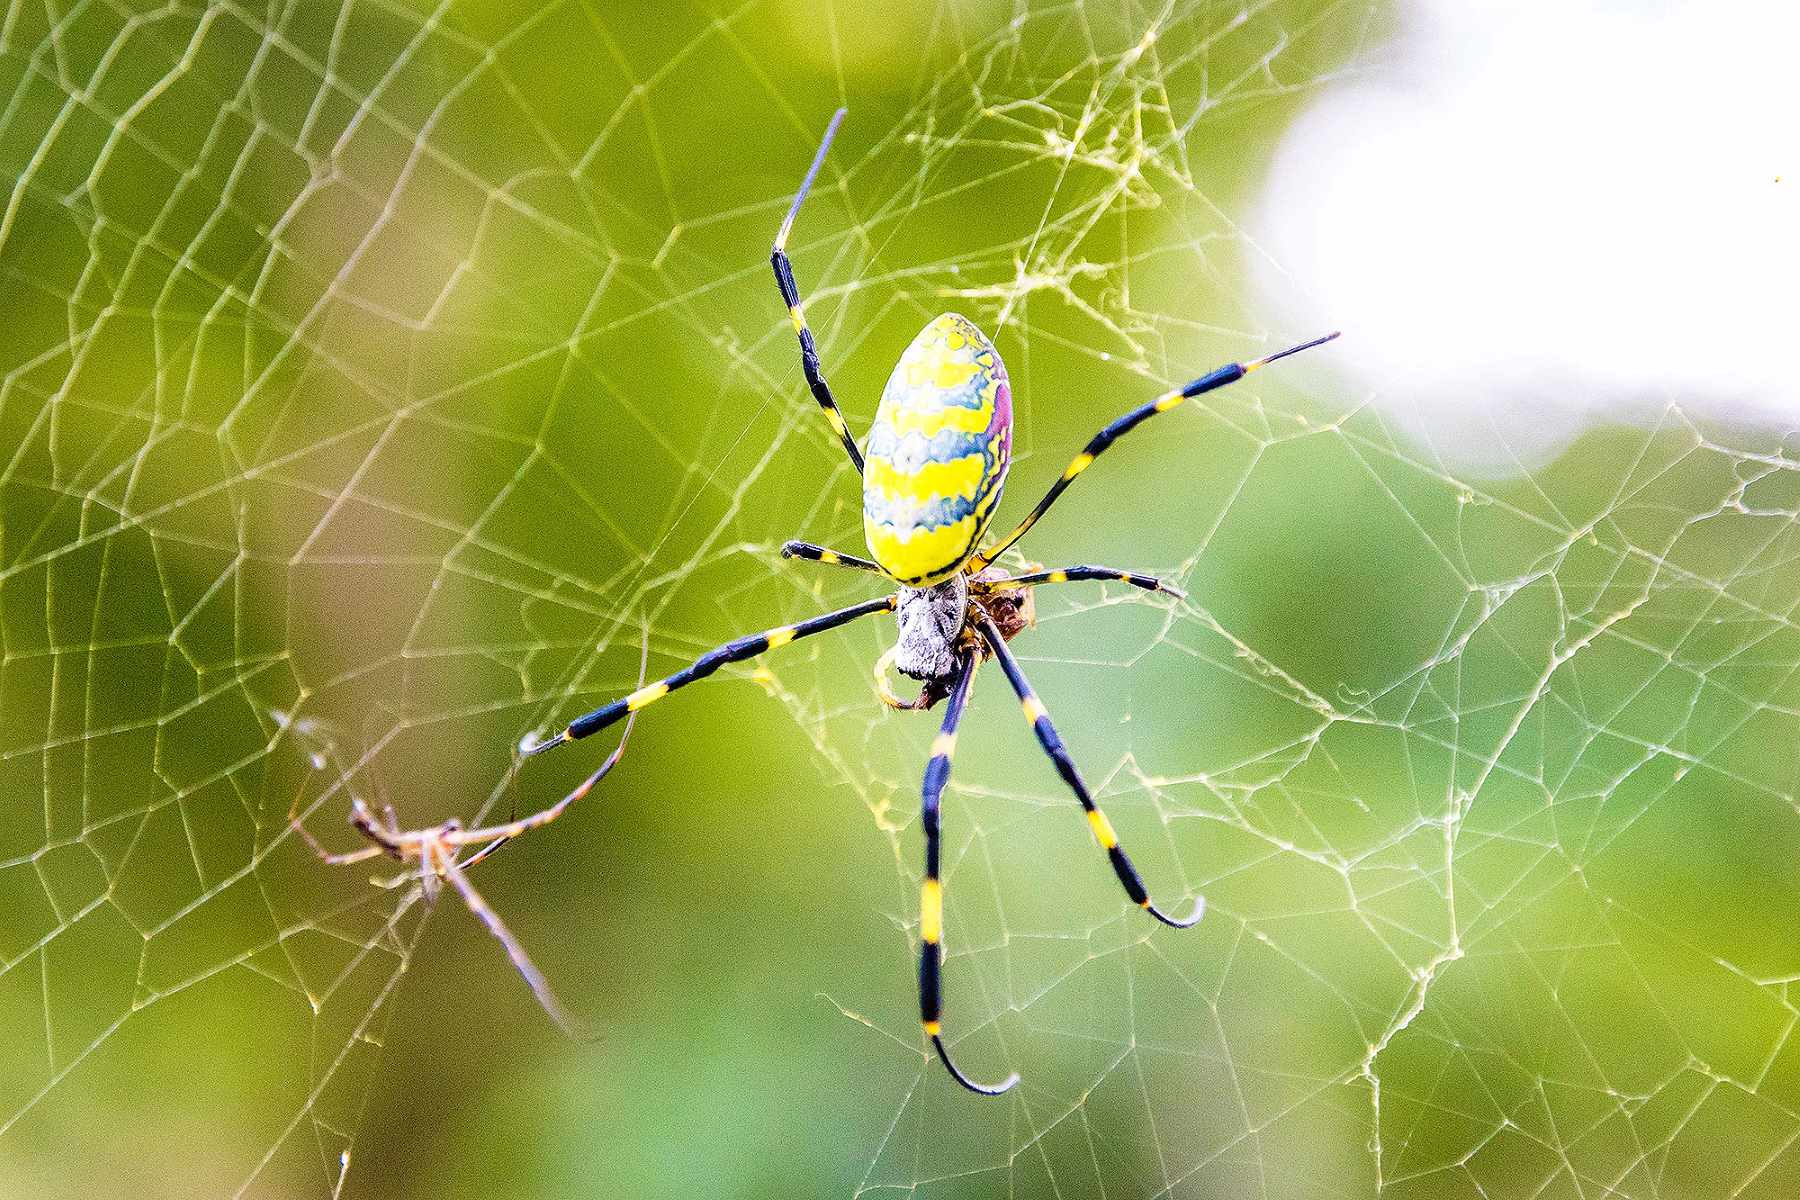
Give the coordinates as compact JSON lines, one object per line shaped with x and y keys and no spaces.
{"x":936,"y":458}
{"x":435,"y":849}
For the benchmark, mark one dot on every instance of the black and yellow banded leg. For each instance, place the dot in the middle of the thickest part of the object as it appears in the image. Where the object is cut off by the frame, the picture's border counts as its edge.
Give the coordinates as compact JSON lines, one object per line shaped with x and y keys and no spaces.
{"x":931,"y":892}
{"x":706,"y":664}
{"x":790,"y":296}
{"x":831,"y":558}
{"x":1065,"y":766}
{"x":1077,"y":574}
{"x":1229,"y":373}
{"x":497,"y":836}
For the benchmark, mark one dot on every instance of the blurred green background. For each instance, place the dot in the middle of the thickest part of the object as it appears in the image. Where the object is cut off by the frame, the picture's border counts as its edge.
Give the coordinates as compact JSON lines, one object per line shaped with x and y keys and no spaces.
{"x":376,"y":378}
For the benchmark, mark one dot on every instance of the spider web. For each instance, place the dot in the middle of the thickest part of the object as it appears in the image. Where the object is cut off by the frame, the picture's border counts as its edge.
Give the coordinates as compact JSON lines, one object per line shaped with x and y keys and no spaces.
{"x":377,"y":376}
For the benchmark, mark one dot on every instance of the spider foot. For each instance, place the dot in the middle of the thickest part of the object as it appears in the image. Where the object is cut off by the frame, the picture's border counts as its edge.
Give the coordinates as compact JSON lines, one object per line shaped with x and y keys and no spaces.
{"x":1187,"y":922}
{"x":983,"y":1089}
{"x":530,"y":747}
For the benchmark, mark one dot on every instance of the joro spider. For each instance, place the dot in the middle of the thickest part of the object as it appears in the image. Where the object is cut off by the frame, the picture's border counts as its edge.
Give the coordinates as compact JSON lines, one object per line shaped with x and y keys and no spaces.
{"x":936,"y":459}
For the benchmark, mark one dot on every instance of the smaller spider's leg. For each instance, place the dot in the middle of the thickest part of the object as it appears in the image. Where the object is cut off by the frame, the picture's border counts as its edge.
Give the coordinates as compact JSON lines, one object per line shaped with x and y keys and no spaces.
{"x":502,"y":834}
{"x":1076,"y":574}
{"x":1065,"y":766}
{"x":830,"y":558}
{"x":327,"y":857}
{"x":1229,"y":373}
{"x":790,"y":296}
{"x":931,"y":891}
{"x":706,"y":664}
{"x":446,"y":865}
{"x":516,"y":825}
{"x":363,"y":822}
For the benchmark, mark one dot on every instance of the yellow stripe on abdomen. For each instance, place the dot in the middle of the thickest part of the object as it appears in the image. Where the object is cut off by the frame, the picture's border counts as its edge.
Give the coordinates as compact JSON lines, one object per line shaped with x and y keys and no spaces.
{"x":928,"y":481}
{"x":921,"y":556}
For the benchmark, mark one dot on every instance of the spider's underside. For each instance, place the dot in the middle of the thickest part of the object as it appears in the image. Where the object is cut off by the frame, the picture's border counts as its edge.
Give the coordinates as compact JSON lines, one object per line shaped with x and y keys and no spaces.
{"x":938,"y":624}
{"x":937,"y":454}
{"x":931,"y":622}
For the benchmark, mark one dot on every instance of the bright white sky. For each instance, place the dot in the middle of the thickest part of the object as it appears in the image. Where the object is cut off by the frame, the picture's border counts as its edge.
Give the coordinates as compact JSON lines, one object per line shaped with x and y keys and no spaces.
{"x":1535,"y":213}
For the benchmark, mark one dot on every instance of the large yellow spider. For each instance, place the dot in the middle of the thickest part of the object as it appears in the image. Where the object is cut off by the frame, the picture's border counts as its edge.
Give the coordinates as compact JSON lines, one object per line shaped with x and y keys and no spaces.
{"x":936,"y":459}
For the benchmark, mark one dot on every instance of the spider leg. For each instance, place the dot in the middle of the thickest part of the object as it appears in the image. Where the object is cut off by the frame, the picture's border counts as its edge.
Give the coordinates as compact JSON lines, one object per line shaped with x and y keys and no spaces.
{"x":830,"y":558}
{"x":790,"y":296}
{"x":516,"y":825}
{"x":335,"y":860}
{"x":540,"y":987}
{"x":930,"y":692}
{"x":1229,"y":373}
{"x":931,"y":892}
{"x":1065,"y":766}
{"x":498,"y":835}
{"x":1076,"y":574}
{"x":706,"y":664}
{"x":379,"y":842}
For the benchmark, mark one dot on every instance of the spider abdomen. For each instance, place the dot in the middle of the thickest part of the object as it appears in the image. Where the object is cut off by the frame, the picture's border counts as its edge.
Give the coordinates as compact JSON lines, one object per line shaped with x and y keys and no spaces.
{"x":937,"y":453}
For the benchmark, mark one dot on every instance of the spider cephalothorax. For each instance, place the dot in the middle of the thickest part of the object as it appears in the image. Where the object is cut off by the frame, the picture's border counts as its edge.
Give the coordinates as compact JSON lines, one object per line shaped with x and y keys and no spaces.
{"x":939,"y":626}
{"x":936,"y":460}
